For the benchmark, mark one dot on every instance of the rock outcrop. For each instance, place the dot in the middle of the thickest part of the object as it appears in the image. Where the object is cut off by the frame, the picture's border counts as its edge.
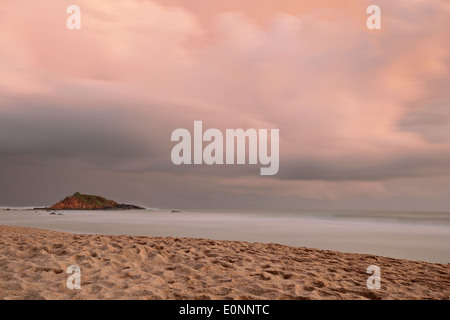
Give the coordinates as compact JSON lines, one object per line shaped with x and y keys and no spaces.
{"x":80,"y":201}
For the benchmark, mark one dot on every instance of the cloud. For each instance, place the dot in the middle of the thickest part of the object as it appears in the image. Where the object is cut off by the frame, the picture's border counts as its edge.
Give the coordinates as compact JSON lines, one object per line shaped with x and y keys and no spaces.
{"x":354,"y":107}
{"x":432,"y":121}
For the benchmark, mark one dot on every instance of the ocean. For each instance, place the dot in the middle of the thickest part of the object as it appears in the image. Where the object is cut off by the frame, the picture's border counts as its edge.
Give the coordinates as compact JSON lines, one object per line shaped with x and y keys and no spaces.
{"x":423,"y":236}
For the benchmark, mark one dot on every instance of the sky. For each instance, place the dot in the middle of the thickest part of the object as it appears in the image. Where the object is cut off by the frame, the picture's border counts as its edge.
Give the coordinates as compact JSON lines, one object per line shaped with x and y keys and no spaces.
{"x":363,"y":115}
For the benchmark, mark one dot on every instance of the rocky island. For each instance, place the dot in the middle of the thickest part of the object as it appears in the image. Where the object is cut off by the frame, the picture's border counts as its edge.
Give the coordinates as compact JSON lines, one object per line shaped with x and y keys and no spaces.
{"x":80,"y":201}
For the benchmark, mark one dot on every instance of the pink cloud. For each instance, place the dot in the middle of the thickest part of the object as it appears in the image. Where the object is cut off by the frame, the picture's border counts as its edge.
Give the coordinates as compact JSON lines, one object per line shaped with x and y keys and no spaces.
{"x":337,"y":92}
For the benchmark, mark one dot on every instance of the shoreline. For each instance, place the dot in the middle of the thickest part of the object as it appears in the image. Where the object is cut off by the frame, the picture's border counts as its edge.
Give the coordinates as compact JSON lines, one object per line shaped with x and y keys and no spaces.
{"x":419,"y":238}
{"x":33,"y":265}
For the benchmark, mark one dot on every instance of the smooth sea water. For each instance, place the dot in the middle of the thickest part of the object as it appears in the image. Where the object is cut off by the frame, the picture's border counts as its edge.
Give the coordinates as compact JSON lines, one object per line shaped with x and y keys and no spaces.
{"x":410,"y":235}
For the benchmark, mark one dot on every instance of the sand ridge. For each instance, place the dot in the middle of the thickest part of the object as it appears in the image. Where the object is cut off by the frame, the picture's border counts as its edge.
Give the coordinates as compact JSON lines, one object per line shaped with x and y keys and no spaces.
{"x":33,"y":265}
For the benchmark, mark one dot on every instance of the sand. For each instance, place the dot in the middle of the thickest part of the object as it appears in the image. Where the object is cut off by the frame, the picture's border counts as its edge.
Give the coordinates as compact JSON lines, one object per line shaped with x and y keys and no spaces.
{"x":33,"y":265}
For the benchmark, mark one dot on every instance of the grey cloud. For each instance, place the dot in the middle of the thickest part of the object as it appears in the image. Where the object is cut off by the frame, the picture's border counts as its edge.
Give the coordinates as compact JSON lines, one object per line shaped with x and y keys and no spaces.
{"x":407,"y":165}
{"x":431,"y":121}
{"x":95,"y":134}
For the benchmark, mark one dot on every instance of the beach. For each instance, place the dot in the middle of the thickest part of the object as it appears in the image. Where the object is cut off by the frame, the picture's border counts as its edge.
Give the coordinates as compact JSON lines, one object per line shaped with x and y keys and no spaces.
{"x":33,"y":264}
{"x":420,"y":236}
{"x":246,"y":150}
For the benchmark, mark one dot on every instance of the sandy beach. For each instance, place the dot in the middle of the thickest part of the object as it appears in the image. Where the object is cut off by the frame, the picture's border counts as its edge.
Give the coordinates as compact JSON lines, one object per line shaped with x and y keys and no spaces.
{"x":33,"y":265}
{"x":419,"y":236}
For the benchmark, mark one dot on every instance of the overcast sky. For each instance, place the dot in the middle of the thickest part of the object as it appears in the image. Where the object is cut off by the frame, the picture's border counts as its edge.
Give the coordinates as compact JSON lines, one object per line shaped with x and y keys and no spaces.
{"x":364,"y":115}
